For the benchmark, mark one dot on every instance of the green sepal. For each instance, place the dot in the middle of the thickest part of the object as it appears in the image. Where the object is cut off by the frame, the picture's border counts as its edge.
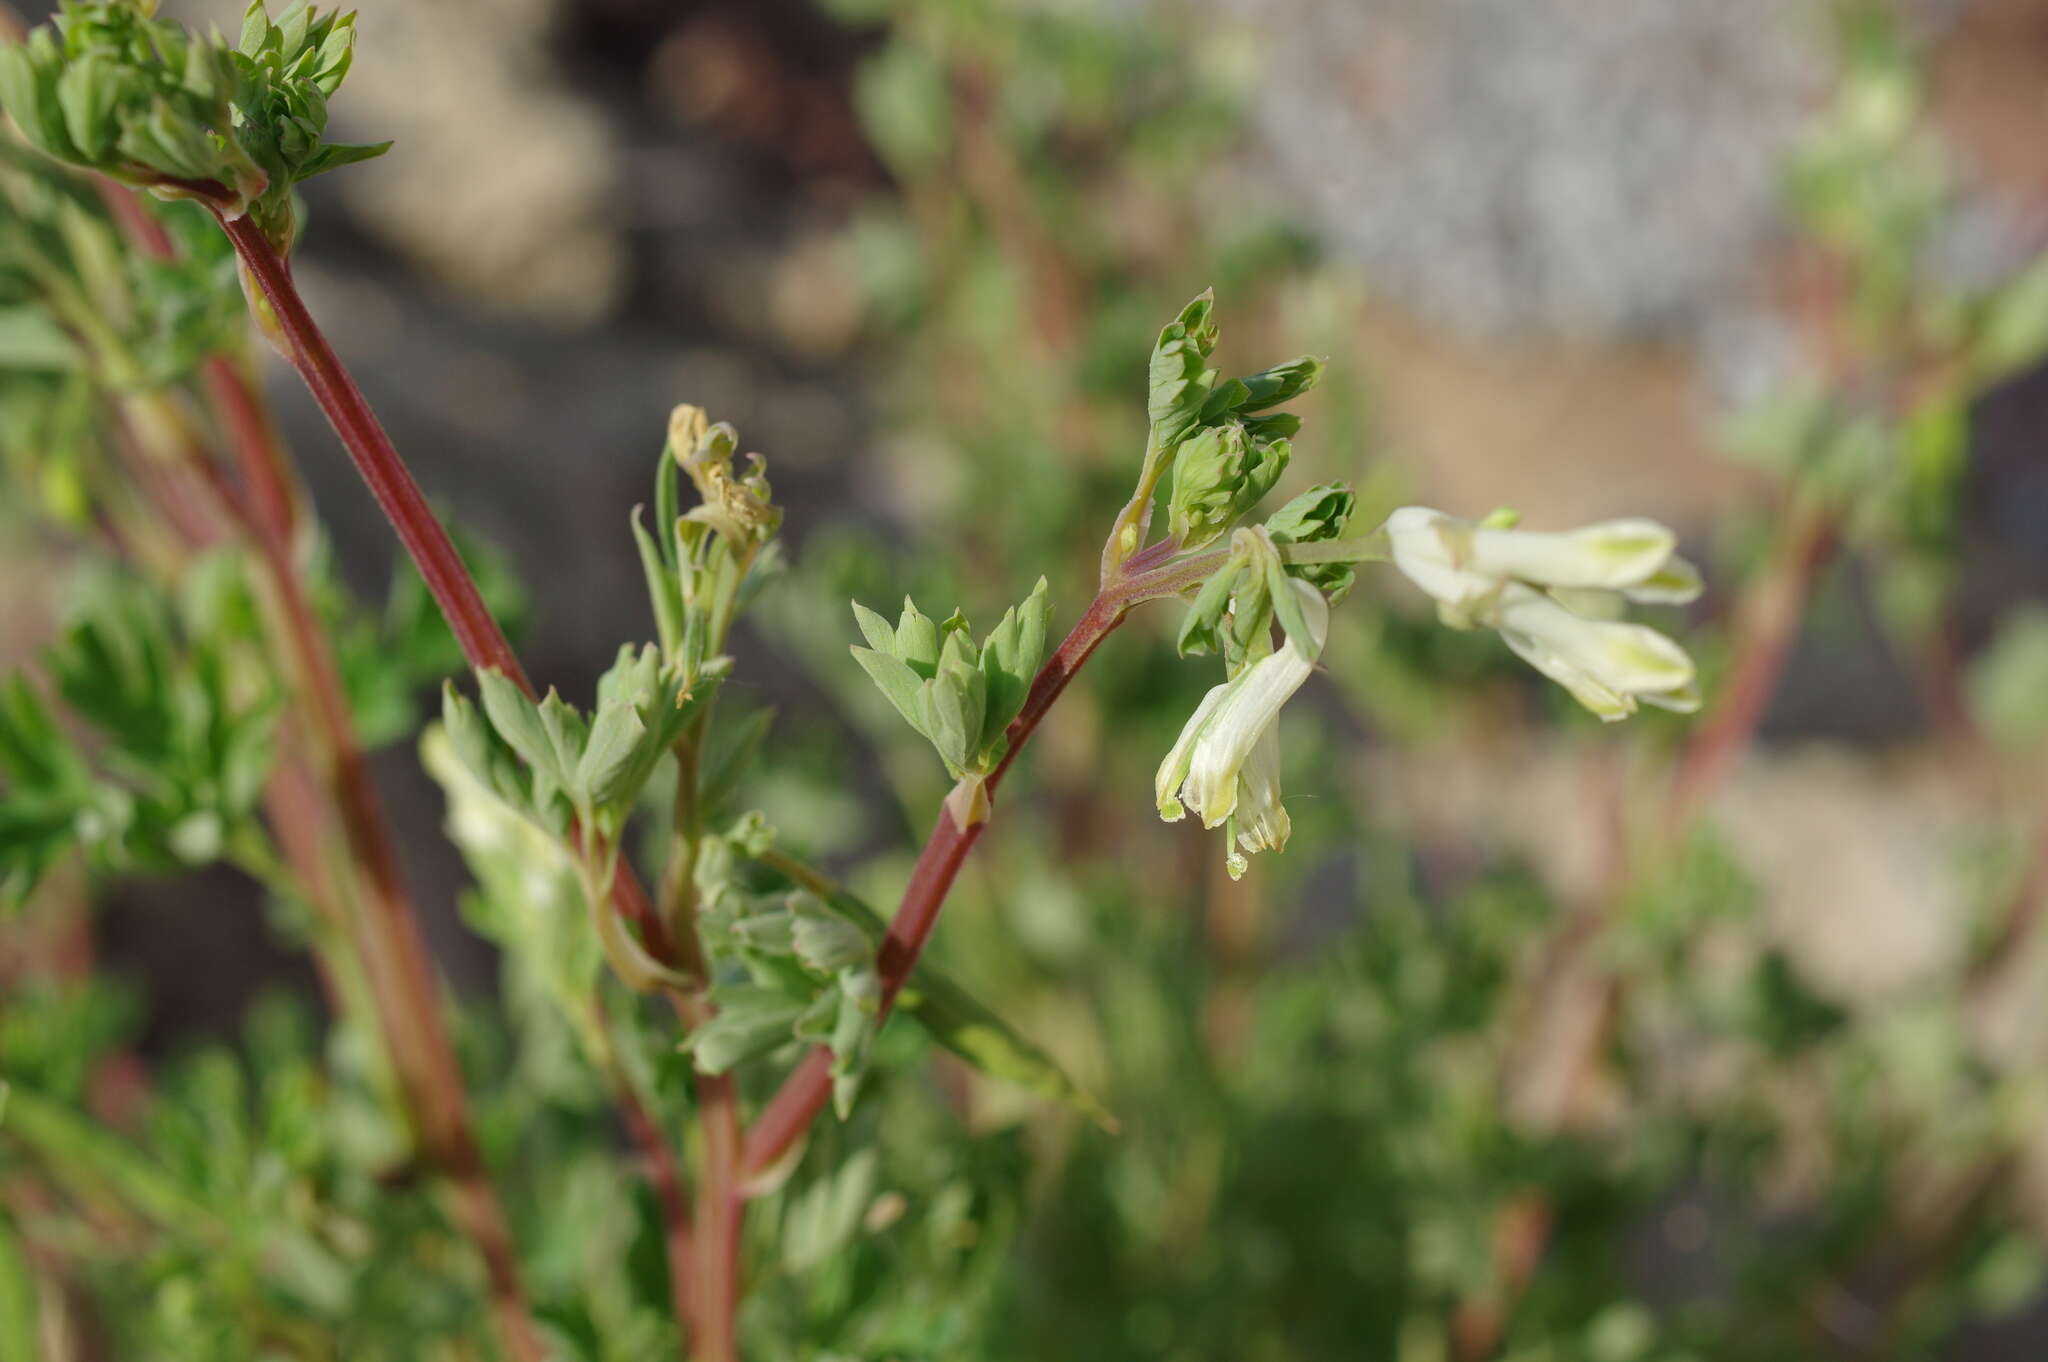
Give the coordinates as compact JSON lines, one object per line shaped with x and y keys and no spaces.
{"x":1287,"y":609}
{"x":1198,"y":632}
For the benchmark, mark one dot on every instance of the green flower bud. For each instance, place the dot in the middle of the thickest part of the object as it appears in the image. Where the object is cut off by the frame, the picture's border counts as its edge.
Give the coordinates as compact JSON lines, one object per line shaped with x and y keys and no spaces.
{"x":1219,"y":474}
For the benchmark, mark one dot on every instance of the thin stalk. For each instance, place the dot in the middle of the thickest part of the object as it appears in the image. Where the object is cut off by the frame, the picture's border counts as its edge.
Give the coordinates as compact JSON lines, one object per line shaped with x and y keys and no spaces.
{"x":483,"y":643}
{"x":1766,"y":626}
{"x":718,"y":1248}
{"x":664,"y":1174}
{"x":788,"y":1115}
{"x":390,"y":481}
{"x":393,"y":952}
{"x":401,"y":974}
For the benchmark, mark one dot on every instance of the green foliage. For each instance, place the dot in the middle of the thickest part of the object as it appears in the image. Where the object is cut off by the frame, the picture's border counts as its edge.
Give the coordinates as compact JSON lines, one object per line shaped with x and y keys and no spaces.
{"x":1336,"y":1082}
{"x":181,"y":732}
{"x":958,"y":696}
{"x":106,"y":86}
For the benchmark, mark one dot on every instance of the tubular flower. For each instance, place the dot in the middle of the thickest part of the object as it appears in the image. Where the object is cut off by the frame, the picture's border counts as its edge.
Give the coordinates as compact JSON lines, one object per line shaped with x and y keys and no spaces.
{"x":1554,"y":599}
{"x":1226,"y":764}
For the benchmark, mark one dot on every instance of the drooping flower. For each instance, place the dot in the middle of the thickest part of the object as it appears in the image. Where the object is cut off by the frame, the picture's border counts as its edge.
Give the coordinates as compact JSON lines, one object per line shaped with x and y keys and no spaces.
{"x":1554,"y":599}
{"x":1226,"y":765}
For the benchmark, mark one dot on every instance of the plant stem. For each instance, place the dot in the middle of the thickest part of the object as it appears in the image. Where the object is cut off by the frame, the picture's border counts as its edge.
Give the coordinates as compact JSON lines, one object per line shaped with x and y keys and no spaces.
{"x":483,"y":643}
{"x":1766,"y":627}
{"x":788,"y":1115}
{"x":718,"y":1249}
{"x":395,"y":954}
{"x":390,"y":481}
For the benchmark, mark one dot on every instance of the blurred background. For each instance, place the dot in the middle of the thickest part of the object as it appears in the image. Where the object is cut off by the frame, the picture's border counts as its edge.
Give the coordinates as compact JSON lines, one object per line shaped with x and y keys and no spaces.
{"x":1708,"y":1038}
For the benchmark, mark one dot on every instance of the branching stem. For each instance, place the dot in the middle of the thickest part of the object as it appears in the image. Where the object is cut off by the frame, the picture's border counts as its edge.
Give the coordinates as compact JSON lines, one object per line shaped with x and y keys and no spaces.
{"x":1150,"y":574}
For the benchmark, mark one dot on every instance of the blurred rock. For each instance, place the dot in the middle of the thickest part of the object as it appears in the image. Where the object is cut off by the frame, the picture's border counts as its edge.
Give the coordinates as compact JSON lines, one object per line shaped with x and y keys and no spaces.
{"x":1573,"y":166}
{"x":506,"y":185}
{"x":1854,"y":850}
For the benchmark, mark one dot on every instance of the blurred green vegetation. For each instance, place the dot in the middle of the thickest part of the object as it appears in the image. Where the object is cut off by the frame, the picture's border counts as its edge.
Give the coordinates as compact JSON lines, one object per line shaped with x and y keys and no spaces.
{"x":1372,"y":1101}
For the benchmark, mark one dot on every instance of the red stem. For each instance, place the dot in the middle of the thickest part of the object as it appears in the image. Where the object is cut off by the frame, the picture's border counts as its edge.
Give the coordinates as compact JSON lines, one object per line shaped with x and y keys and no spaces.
{"x":399,"y":968}
{"x":1766,"y":629}
{"x":665,"y":1176}
{"x":390,"y":481}
{"x":483,"y":643}
{"x":809,"y":1086}
{"x":394,"y":953}
{"x":718,"y":1249}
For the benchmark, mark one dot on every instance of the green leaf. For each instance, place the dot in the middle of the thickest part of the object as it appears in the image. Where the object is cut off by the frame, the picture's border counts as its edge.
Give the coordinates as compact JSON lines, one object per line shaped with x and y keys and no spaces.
{"x":1322,"y":512}
{"x":88,"y":91}
{"x":1180,"y":381}
{"x":29,"y":340}
{"x":1010,"y":658}
{"x":1267,"y":388}
{"x":875,"y":629}
{"x":853,"y":1035}
{"x":960,"y":1022}
{"x":566,"y":734}
{"x":822,"y":1219}
{"x":2013,"y":332}
{"x":335,"y":155}
{"x":517,"y":720}
{"x":610,"y":757}
{"x":663,"y":590}
{"x":952,"y":704}
{"x":20,"y":1335}
{"x":255,"y":29}
{"x":825,"y":941}
{"x":28,"y":90}
{"x":917,"y":640}
{"x":95,"y":1162}
{"x":751,"y":1021}
{"x":896,"y":681}
{"x":733,"y":747}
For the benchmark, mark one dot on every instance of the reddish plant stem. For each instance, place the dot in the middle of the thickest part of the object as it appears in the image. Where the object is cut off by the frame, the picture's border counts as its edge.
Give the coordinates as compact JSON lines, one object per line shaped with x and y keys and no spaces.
{"x":388,"y":937}
{"x":397,"y":965}
{"x":716,"y":1313}
{"x":483,"y":644}
{"x":1765,"y":630}
{"x":809,"y":1086}
{"x":265,"y":475}
{"x":390,"y":481}
{"x":729,"y":1156}
{"x":665,"y":1176}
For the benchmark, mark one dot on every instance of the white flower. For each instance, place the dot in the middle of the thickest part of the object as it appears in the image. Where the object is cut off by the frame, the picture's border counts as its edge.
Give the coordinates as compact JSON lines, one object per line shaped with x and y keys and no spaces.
{"x":1606,"y":665}
{"x":1226,"y":764}
{"x":1570,"y":632}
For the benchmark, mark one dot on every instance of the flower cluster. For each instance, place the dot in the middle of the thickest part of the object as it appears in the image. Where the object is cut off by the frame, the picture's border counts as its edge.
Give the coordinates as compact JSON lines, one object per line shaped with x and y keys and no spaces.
{"x":1554,"y":599}
{"x":1226,"y":765}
